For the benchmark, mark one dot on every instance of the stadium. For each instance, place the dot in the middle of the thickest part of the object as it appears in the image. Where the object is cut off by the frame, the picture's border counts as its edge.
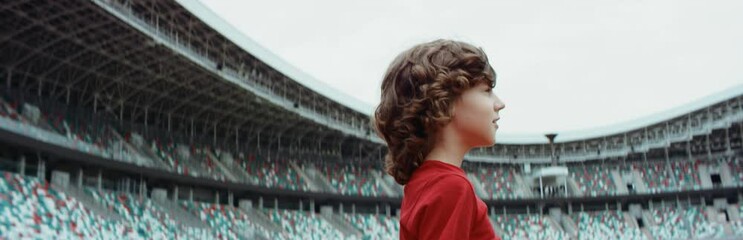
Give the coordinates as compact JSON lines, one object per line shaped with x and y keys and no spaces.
{"x":154,"y":120}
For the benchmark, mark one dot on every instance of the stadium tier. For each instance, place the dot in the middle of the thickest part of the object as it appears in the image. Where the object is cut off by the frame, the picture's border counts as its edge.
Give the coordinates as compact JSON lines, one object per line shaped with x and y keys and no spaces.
{"x":675,"y":223}
{"x":229,"y":222}
{"x":529,"y":226}
{"x":375,"y":226}
{"x":141,"y":217}
{"x":33,"y":208}
{"x":303,"y":224}
{"x":593,"y":180}
{"x":498,"y":181}
{"x":605,"y":224}
{"x":145,"y":218}
{"x":353,"y":179}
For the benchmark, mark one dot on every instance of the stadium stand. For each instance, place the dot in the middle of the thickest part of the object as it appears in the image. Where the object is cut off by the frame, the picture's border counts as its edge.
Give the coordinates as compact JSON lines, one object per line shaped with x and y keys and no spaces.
{"x":684,"y":223}
{"x":375,"y":226}
{"x":605,"y":224}
{"x":32,"y":209}
{"x":299,"y":224}
{"x":146,"y":218}
{"x":528,"y":226}
{"x":229,"y":222}
{"x":498,"y":182}
{"x":592,"y":179}
{"x":353,"y":179}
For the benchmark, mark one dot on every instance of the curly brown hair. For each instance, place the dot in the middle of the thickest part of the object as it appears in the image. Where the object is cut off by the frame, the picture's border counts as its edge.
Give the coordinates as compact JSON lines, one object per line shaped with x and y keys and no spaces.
{"x":418,"y":92}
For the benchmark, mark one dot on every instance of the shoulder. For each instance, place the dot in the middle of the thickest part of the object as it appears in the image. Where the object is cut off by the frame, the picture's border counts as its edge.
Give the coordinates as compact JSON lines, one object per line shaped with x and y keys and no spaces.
{"x":451,"y":186}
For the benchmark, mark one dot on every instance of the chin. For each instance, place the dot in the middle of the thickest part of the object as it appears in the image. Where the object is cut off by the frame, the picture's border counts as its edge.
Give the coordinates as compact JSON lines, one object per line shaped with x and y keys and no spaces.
{"x":491,"y":139}
{"x":488,"y":142}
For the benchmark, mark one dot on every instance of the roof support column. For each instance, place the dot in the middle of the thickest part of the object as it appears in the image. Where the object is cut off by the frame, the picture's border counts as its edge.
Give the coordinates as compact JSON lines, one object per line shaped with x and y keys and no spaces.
{"x":259,"y":141}
{"x":146,"y":125}
{"x":95,"y":102}
{"x":688,"y":149}
{"x":67,"y":95}
{"x":727,"y":139}
{"x":121,"y":107}
{"x":709,"y":147}
{"x":38,"y":90}
{"x":9,"y":78}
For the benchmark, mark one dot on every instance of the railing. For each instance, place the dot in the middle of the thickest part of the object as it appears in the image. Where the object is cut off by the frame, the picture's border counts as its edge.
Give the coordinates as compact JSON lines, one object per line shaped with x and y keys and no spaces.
{"x":173,"y":42}
{"x":57,"y":139}
{"x":704,"y":128}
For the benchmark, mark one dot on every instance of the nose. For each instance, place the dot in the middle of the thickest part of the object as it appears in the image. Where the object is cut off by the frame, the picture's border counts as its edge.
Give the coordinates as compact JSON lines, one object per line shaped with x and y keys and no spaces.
{"x":498,"y":104}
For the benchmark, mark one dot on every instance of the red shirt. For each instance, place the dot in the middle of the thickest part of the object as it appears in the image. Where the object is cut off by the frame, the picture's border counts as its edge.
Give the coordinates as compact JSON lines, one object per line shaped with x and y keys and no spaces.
{"x":440,"y":203}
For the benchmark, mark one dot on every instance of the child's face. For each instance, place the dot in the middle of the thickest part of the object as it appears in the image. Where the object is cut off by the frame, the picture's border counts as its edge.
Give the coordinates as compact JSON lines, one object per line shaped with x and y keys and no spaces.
{"x":475,"y":115}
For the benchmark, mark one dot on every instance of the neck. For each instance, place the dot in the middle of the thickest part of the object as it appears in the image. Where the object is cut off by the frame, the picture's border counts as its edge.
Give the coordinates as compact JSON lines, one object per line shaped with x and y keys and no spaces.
{"x":449,"y":150}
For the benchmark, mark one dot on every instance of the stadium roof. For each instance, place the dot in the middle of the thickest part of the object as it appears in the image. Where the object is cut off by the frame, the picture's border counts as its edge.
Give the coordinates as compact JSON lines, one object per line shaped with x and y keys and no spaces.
{"x":251,"y":46}
{"x":158,"y":80}
{"x":627,"y":126}
{"x":265,"y":55}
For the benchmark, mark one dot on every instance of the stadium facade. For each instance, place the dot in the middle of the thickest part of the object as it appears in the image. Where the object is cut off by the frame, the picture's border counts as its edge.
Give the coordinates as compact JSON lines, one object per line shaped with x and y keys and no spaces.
{"x":157,"y":119}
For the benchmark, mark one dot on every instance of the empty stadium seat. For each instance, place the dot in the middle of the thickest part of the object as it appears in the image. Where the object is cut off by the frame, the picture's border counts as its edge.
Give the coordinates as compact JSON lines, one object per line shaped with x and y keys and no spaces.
{"x":352,"y":179}
{"x":689,"y":222}
{"x":273,"y":173}
{"x":375,"y":226}
{"x":147,"y":219}
{"x":528,"y":226}
{"x":304,"y":225}
{"x":605,"y":225}
{"x":29,"y":208}
{"x":498,"y":182}
{"x":228,"y":222}
{"x":593,"y":179}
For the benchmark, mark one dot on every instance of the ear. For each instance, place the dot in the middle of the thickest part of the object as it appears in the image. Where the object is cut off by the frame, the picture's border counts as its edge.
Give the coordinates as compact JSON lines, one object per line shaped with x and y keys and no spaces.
{"x":453,"y":107}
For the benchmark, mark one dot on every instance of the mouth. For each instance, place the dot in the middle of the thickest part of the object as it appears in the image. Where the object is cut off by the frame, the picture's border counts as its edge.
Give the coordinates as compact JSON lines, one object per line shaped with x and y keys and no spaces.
{"x":495,"y":122}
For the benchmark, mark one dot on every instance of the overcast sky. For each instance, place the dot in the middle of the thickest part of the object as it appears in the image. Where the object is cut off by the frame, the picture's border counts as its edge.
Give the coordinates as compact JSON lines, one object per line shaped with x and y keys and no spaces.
{"x":561,"y":65}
